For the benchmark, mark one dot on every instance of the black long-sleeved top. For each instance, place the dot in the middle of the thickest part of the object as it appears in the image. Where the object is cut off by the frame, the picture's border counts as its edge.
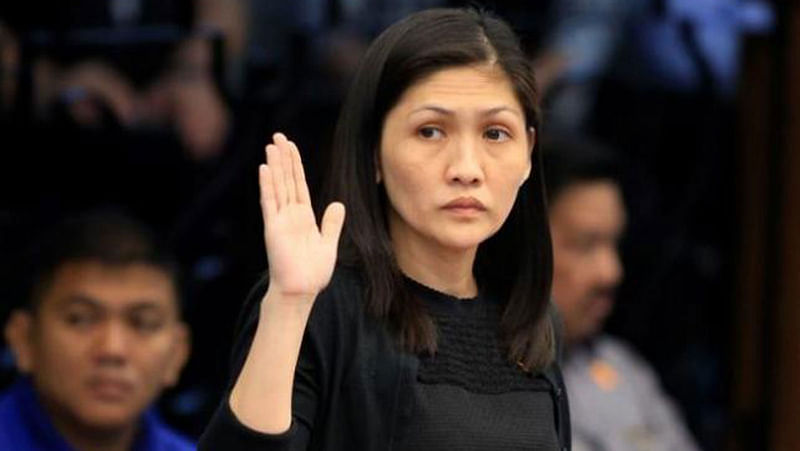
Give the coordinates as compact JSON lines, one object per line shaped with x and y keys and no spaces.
{"x":356,"y":390}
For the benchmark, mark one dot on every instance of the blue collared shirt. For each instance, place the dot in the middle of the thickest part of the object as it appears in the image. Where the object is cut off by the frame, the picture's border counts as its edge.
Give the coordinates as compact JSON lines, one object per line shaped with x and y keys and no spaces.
{"x":24,"y":425}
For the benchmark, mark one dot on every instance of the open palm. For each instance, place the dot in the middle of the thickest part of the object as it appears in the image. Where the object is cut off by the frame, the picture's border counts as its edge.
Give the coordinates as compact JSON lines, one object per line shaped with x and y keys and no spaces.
{"x":301,"y":255}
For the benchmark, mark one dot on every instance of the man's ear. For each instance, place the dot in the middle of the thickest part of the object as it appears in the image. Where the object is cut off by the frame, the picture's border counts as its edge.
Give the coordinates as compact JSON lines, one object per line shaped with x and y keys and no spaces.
{"x":18,"y":333}
{"x":179,"y":355}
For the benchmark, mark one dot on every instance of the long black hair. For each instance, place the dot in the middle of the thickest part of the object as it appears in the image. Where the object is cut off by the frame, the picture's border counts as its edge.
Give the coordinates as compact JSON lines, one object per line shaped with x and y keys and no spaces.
{"x":516,"y":262}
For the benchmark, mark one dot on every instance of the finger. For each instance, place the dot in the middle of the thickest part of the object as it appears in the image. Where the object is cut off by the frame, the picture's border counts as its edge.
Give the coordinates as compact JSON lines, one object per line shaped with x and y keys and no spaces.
{"x":278,"y":180}
{"x":286,"y":165}
{"x":332,"y":223}
{"x":301,"y":186}
{"x":268,"y":202}
{"x":112,"y":87}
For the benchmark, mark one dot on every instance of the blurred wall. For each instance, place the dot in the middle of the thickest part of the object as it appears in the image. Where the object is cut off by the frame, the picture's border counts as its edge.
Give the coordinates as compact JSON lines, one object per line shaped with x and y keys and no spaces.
{"x":766,"y":395}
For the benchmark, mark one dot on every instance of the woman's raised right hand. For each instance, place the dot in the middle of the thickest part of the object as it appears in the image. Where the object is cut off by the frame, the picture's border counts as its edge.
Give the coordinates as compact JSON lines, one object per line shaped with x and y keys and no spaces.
{"x":301,"y":255}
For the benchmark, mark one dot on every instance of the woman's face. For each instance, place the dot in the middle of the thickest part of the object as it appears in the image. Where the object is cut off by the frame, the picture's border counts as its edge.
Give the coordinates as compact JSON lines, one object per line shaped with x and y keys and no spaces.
{"x":454,"y":152}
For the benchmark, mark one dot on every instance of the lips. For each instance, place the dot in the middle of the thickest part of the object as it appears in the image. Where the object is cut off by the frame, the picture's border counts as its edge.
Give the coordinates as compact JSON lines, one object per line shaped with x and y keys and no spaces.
{"x":465,"y":204}
{"x":110,"y":388}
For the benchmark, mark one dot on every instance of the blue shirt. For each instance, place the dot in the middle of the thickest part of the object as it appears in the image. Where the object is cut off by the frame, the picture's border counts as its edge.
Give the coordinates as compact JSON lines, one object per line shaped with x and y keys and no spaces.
{"x":24,"y":425}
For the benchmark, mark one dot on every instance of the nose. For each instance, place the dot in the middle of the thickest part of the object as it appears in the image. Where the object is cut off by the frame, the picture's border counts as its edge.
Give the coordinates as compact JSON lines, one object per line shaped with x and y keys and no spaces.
{"x":112,"y":343}
{"x":610,"y":267}
{"x":464,"y":165}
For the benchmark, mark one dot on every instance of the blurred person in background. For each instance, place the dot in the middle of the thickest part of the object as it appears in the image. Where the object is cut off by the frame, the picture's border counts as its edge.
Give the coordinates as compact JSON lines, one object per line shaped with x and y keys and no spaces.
{"x":91,"y":63}
{"x":99,"y":338}
{"x":658,"y":80}
{"x":137,"y":111}
{"x":137,"y":90}
{"x":679,"y":46}
{"x":316,"y":44}
{"x":616,"y":402}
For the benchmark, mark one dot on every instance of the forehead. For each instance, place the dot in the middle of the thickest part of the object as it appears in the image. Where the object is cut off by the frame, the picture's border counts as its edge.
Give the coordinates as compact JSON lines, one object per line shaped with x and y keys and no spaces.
{"x":463,"y":84}
{"x":112,"y":286}
{"x":591,"y":206}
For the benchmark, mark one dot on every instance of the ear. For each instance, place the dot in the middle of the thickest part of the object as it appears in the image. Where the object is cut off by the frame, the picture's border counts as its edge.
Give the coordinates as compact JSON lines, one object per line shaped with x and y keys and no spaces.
{"x":18,"y":332}
{"x":532,"y":144}
{"x":179,"y":355}
{"x":527,"y":172}
{"x":378,"y":175}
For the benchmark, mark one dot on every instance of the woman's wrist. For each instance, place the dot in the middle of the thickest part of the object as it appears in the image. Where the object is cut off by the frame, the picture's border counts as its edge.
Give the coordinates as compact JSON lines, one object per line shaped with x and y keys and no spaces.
{"x":277,"y":302}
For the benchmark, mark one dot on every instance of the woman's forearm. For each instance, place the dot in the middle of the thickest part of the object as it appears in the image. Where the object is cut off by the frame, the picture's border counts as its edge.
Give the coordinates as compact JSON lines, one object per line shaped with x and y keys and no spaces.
{"x":262,"y":396}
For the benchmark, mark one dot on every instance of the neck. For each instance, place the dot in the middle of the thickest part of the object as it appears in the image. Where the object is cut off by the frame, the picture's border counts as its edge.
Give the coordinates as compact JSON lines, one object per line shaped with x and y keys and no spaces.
{"x":87,"y":438}
{"x":446,"y":270}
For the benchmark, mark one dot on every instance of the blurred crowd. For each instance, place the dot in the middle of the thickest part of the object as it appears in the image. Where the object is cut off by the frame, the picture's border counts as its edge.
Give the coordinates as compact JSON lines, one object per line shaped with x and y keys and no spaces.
{"x":162,"y":108}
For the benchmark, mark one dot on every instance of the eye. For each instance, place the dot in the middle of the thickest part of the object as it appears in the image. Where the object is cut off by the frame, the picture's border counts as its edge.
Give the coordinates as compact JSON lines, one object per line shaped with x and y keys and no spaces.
{"x":146,"y":322}
{"x":80,"y":318}
{"x":430,"y":132}
{"x":585,"y":245}
{"x":497,"y":134}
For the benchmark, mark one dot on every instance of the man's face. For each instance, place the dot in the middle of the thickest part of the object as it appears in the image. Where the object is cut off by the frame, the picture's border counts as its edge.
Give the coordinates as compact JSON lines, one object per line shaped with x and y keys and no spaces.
{"x":103,"y":342}
{"x":586,"y":221}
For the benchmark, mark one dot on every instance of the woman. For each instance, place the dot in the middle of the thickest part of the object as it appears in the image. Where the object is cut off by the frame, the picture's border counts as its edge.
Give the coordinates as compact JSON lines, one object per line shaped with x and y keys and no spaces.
{"x":432,"y":329}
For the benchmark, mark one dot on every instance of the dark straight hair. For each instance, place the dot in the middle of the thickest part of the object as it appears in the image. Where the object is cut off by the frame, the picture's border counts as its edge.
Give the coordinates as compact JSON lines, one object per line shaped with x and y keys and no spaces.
{"x":515,"y":263}
{"x":570,"y":160}
{"x":107,"y":236}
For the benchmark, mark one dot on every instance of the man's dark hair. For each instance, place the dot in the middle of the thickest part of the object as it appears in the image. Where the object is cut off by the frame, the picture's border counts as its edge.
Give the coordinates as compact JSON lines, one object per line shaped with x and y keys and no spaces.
{"x":570,"y":160}
{"x":408,"y":51}
{"x":109,"y":237}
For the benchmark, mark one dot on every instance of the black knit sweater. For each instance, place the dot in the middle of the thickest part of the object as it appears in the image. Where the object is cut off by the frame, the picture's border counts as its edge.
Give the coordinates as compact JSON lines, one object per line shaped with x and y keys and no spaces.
{"x":355,"y":390}
{"x":468,"y":396}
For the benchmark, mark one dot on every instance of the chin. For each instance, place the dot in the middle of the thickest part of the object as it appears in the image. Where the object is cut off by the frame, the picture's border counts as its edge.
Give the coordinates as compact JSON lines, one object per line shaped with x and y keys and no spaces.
{"x":594,"y":329}
{"x":462,"y":243}
{"x":108,"y":417}
{"x":463,"y":238}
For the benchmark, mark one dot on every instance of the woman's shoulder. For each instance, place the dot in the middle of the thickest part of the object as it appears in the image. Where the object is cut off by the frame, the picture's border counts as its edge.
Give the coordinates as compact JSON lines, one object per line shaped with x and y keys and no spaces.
{"x":344,"y":294}
{"x":346,"y":280}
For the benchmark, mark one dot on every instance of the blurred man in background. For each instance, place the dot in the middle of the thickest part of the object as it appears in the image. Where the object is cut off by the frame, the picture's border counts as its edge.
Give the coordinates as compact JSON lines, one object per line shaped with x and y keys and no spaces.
{"x":98,"y":340}
{"x":616,"y":402}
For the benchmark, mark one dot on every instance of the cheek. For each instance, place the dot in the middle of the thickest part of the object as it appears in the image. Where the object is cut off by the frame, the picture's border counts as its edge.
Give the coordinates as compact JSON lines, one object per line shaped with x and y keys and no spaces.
{"x":509,"y":174}
{"x":568,"y":284}
{"x":154,"y":352}
{"x":155,"y":358}
{"x":59,"y":347}
{"x":562,"y":285}
{"x":60,"y":365}
{"x":406,"y":184}
{"x":572,"y":272}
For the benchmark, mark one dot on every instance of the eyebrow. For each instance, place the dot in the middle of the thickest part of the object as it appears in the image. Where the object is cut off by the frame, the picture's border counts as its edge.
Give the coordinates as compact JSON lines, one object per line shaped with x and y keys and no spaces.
{"x":81,"y":300}
{"x":147,"y":306}
{"x":444,"y":111}
{"x":135,"y":306}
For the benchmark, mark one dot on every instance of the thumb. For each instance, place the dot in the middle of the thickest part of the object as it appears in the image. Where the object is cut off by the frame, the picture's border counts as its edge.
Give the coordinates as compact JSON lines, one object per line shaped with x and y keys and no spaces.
{"x":332,"y":222}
